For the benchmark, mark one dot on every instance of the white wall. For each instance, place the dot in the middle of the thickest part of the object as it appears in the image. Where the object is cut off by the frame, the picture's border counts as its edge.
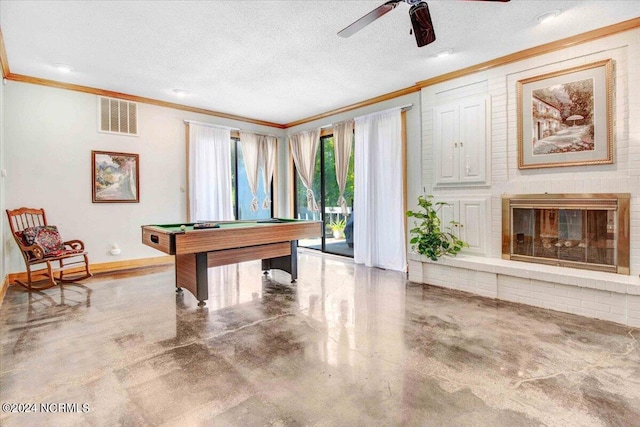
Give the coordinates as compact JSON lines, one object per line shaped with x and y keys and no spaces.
{"x":500,"y":83}
{"x":48,"y":137}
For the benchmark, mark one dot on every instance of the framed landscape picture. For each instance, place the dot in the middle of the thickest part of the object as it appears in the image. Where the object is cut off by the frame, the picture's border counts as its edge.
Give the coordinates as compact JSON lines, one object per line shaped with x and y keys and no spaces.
{"x":565,"y":117}
{"x":115,"y":177}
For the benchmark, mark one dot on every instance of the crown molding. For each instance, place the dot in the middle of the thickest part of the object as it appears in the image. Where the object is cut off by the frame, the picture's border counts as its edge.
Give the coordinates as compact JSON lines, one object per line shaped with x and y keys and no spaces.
{"x":111,"y":94}
{"x":7,"y":74}
{"x":365,"y":103}
{"x":497,"y":62}
{"x":536,"y":51}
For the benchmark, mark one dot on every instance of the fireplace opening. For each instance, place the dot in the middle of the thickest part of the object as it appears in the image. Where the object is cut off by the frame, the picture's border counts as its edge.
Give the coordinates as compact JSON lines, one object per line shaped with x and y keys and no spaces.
{"x":589,"y":231}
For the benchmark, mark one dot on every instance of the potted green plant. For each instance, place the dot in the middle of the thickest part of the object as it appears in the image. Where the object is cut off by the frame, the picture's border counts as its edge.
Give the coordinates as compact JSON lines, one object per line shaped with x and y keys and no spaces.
{"x":337,"y":227}
{"x":429,"y":237}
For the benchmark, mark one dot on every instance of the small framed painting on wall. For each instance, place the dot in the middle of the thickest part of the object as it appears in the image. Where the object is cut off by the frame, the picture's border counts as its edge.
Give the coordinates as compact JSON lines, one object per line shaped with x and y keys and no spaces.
{"x":565,"y":117}
{"x":116,"y":177}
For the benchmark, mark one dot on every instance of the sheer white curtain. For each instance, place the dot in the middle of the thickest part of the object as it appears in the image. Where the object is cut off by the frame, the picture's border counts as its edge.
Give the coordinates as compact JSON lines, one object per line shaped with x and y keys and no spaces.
{"x":209,"y":173}
{"x":342,"y":141}
{"x":268,"y":160}
{"x":304,"y":146}
{"x":249,"y":143}
{"x":378,"y":236}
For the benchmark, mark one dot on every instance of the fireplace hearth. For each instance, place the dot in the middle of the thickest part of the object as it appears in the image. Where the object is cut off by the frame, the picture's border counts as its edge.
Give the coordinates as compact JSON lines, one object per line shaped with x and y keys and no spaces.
{"x":588,"y":231}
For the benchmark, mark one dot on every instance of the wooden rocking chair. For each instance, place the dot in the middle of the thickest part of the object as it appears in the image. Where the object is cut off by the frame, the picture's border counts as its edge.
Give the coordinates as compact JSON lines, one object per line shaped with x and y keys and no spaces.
{"x":41,"y":243}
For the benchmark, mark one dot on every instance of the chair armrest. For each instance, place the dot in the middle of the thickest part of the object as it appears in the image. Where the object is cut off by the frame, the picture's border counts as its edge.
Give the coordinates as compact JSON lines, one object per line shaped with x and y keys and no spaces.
{"x":34,"y":251}
{"x":75,"y":244}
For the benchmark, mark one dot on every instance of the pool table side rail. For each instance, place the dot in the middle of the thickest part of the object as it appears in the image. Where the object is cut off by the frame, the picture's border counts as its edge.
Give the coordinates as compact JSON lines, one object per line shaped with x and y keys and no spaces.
{"x":206,"y":240}
{"x":159,"y":239}
{"x":228,"y":238}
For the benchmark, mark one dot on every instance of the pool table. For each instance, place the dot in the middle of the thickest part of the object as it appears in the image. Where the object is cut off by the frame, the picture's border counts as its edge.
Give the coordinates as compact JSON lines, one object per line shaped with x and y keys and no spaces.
{"x":274,"y":241}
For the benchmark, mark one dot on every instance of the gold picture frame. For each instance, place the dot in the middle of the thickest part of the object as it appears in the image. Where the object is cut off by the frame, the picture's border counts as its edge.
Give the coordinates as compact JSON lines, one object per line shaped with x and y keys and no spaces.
{"x":565,"y":117}
{"x":115,"y":177}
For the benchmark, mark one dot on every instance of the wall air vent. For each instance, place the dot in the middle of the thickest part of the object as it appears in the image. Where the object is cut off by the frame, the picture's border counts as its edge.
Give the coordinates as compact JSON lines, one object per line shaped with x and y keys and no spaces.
{"x":117,"y":116}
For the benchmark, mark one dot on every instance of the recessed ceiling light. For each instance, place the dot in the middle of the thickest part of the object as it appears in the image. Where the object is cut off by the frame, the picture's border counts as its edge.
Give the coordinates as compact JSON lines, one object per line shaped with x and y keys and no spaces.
{"x":63,"y":68}
{"x":181,"y":93}
{"x":547,"y":16}
{"x":444,"y":52}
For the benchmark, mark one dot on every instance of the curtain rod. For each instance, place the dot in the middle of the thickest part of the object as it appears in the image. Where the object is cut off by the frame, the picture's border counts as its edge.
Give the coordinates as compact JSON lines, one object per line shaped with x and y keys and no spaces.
{"x":265,"y":134}
{"x":210,"y":125}
{"x":258,"y":133}
{"x":228,"y":127}
{"x":403,"y":107}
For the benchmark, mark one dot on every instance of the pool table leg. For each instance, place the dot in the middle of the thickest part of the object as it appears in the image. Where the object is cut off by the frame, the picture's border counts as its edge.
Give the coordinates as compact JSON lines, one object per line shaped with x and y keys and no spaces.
{"x":294,"y":261}
{"x":202,"y":279}
{"x":288,"y":263}
{"x":191,"y":274}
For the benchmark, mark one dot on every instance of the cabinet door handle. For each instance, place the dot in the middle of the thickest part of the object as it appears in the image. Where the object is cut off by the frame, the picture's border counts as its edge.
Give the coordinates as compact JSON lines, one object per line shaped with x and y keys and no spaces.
{"x":455,"y":145}
{"x":461,"y":144}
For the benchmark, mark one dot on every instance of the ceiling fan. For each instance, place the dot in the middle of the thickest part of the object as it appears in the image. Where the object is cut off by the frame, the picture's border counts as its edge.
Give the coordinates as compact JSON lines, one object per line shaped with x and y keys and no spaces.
{"x":419,"y":14}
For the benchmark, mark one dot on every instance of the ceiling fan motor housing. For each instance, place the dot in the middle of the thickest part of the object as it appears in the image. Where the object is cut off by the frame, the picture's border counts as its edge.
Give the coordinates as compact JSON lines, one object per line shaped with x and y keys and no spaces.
{"x":421,"y":22}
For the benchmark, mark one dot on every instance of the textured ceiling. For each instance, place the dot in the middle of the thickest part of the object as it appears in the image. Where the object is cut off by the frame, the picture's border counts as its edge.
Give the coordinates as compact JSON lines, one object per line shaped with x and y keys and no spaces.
{"x":277,"y":61}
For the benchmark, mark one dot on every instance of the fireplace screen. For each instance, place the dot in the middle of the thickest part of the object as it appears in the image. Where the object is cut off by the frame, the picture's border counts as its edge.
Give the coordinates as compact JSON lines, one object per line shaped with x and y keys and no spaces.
{"x":584,"y":231}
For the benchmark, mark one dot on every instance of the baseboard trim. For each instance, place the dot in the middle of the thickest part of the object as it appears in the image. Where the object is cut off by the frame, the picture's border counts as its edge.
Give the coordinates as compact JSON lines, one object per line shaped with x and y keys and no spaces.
{"x":3,"y":288}
{"x":104,"y":267}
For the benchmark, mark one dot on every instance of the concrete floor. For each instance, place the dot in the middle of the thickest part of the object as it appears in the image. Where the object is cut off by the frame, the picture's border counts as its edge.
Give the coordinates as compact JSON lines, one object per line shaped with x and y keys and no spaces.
{"x":345,"y":346}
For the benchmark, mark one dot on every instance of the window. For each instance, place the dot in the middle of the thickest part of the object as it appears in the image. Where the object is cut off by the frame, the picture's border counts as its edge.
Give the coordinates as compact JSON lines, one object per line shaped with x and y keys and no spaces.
{"x":241,"y":194}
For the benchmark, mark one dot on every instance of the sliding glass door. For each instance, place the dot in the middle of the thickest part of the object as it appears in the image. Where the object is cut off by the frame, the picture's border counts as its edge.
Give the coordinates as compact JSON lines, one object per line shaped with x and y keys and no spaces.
{"x":338,"y":226}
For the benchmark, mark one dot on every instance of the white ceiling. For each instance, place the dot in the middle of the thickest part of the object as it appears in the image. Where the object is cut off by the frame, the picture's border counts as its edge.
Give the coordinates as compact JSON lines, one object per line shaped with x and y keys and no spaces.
{"x":278,"y":61}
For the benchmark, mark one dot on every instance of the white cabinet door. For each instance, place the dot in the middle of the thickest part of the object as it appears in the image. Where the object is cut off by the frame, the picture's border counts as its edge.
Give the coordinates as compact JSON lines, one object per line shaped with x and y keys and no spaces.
{"x":447,"y":119}
{"x":473,"y":229}
{"x":447,"y":213}
{"x":460,"y":142}
{"x":471,"y":216}
{"x":472,"y":149}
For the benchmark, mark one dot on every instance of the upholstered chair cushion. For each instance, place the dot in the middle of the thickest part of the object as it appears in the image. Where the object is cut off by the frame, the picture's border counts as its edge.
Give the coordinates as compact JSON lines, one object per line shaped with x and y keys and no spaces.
{"x":46,"y":236}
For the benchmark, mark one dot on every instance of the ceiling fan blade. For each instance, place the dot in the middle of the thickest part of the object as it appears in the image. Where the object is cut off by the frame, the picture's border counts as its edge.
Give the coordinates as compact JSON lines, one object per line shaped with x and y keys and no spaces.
{"x":368,"y":18}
